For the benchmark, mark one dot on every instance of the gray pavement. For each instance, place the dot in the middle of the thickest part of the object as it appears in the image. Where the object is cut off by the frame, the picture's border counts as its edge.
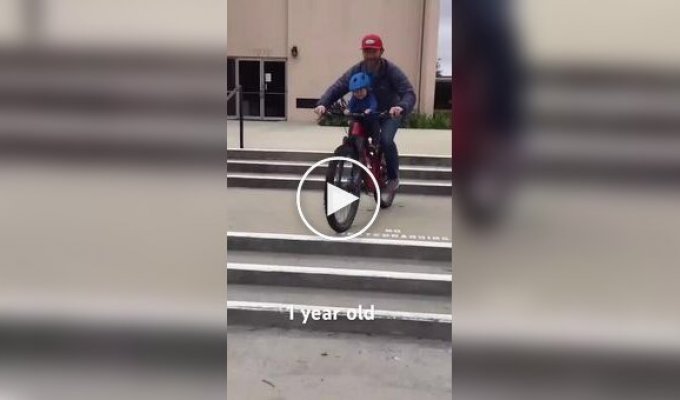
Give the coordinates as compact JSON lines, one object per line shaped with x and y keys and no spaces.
{"x":284,"y":135}
{"x":66,"y":378}
{"x":280,"y":364}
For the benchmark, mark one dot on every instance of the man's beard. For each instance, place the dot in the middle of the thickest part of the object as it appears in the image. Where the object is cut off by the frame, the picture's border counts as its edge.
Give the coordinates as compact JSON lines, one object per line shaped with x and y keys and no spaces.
{"x":373,"y":64}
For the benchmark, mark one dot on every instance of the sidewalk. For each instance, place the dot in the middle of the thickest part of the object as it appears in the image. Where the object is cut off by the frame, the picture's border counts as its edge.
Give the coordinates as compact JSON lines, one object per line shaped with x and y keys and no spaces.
{"x":307,"y":136}
{"x":277,"y":364}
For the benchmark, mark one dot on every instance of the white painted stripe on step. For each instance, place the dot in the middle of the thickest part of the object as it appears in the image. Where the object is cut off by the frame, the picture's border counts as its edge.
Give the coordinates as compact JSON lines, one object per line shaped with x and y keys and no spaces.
{"x":278,"y":177}
{"x":363,"y":273}
{"x":423,"y":168}
{"x":409,"y":182}
{"x":288,"y":151}
{"x":379,"y":314}
{"x":296,"y":178}
{"x":272,"y":162}
{"x":312,"y":238}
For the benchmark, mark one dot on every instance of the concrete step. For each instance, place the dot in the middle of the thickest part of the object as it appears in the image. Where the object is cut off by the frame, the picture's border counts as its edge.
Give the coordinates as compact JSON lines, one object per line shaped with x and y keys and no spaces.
{"x":602,"y":156}
{"x":273,"y":213}
{"x":644,"y":173}
{"x":407,"y":301}
{"x":395,"y":314}
{"x":409,"y":172}
{"x":621,"y":100}
{"x":617,"y":108}
{"x":307,"y":244}
{"x":323,"y":297}
{"x":289,"y":181}
{"x":338,"y":278}
{"x":398,"y":323}
{"x":342,"y":262}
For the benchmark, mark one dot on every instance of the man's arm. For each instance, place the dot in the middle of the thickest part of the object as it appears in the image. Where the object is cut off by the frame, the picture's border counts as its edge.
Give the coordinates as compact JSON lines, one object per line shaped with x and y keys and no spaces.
{"x":337,"y":90}
{"x":404,"y":89}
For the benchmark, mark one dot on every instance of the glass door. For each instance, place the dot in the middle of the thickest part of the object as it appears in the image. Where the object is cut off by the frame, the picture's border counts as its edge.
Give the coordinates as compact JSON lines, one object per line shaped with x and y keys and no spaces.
{"x":274,"y":89}
{"x":249,"y":74}
{"x":264,"y":88}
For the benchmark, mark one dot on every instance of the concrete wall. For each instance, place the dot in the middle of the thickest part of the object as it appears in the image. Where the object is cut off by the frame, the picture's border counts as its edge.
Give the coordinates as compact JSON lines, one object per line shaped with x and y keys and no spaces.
{"x":128,"y":23}
{"x":604,"y":31}
{"x":125,"y":24}
{"x":257,"y":28}
{"x":428,"y":66}
{"x":11,"y":23}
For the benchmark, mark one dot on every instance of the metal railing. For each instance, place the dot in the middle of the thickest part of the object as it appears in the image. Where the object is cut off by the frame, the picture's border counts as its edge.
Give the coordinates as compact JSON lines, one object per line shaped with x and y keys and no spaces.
{"x":238,"y":91}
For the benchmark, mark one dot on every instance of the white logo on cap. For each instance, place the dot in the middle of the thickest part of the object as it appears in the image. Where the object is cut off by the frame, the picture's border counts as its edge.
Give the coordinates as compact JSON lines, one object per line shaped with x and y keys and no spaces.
{"x":370,"y":41}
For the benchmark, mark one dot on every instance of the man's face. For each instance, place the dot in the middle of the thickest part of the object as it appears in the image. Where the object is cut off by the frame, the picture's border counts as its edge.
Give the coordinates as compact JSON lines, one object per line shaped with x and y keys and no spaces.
{"x":371,"y":55}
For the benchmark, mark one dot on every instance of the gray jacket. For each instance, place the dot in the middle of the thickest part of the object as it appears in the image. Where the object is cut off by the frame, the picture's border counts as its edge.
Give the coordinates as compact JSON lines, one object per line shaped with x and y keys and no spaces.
{"x":390,"y":86}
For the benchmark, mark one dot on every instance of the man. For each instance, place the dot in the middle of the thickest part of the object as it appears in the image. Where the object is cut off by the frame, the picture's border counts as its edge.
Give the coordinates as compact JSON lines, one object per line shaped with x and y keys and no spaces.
{"x":489,"y":110}
{"x":392,"y":90}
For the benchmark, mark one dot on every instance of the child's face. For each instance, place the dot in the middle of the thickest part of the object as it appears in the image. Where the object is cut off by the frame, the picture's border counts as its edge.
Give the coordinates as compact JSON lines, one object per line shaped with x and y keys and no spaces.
{"x":361,"y":93}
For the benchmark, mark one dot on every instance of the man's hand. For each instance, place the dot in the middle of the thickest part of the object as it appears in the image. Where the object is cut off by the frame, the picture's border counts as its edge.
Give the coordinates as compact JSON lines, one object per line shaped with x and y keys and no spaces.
{"x":396,"y":111}
{"x":346,"y":112}
{"x":320,"y":110}
{"x":368,"y":111}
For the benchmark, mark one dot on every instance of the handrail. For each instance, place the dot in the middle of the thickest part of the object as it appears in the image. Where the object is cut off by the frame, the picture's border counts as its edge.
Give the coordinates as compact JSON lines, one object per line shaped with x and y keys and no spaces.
{"x":233,"y":92}
{"x":238,"y":90}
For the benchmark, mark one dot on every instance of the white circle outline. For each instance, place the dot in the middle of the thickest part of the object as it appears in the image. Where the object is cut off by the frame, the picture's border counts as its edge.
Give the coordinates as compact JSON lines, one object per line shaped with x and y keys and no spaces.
{"x":304,"y":178}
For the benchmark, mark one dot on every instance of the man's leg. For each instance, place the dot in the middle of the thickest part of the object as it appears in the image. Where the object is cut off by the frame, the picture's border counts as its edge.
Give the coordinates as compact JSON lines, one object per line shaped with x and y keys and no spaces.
{"x":374,"y":129}
{"x":389,"y":130}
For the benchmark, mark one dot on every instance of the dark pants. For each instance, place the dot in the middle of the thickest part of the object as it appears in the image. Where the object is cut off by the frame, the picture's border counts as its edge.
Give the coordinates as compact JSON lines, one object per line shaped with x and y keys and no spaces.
{"x":373,"y":127}
{"x":388,"y":131}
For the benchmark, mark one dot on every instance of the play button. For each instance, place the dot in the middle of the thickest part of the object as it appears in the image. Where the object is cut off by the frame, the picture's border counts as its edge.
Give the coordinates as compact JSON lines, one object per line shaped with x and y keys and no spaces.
{"x":337,"y":199}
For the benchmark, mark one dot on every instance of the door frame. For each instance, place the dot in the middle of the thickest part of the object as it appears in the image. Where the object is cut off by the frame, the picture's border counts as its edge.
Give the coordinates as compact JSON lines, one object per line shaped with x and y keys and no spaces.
{"x":235,"y":98}
{"x":285,"y":86}
{"x":261,"y":61}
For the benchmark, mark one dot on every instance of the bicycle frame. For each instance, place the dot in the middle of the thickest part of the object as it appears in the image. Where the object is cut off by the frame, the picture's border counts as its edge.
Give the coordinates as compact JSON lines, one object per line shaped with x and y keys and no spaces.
{"x":371,"y":156}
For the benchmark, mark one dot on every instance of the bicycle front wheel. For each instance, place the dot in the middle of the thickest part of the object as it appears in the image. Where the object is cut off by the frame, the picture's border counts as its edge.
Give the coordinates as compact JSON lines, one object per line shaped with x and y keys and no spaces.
{"x":346,"y":176}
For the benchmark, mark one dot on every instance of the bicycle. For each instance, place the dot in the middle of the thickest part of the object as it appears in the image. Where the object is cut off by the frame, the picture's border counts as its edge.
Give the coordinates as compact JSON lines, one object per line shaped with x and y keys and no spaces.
{"x":350,"y":177}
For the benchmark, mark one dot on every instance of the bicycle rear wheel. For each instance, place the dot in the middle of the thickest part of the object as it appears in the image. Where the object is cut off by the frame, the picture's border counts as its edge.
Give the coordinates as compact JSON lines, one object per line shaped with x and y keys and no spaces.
{"x":385,"y":199}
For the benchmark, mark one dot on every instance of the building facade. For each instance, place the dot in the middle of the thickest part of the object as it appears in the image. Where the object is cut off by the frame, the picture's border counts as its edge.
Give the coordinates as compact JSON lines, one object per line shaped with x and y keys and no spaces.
{"x":285,"y":53}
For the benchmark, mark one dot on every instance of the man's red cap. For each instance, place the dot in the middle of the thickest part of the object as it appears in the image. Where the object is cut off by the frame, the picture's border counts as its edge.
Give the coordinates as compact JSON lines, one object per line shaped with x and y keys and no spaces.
{"x":371,"y":41}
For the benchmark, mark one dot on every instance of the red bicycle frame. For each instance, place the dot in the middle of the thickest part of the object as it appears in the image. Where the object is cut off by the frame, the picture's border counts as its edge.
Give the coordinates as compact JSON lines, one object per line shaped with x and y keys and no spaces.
{"x":370,"y":155}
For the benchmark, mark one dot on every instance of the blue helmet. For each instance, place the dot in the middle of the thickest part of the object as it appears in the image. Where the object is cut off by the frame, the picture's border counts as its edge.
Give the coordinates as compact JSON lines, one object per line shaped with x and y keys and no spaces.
{"x":359,"y":81}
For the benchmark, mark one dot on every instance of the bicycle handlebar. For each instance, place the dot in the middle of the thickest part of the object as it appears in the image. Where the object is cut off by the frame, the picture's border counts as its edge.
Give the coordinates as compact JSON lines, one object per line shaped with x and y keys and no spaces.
{"x":357,"y":115}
